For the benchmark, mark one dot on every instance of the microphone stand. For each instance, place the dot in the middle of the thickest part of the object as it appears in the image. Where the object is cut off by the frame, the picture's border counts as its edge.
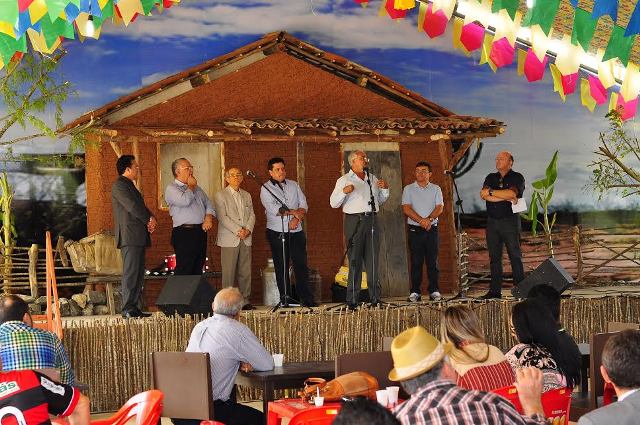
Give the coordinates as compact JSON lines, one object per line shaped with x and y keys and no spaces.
{"x":285,"y":301}
{"x":462,"y":293}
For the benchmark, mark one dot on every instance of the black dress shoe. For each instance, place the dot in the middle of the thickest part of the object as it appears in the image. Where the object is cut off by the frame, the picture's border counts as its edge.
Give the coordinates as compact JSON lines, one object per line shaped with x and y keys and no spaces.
{"x":352,"y":307}
{"x":309,"y":304}
{"x":248,"y":306}
{"x":491,"y":296}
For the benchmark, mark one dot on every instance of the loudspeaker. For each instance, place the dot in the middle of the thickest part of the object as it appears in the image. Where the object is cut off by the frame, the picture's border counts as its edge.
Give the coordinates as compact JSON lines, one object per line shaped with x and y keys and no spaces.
{"x":548,"y":273}
{"x":186,"y":294}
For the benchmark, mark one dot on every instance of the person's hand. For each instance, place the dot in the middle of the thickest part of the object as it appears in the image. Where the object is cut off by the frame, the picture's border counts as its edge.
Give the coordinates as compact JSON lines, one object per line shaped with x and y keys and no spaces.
{"x":514,"y":200}
{"x":208,"y":223}
{"x":299,"y":213}
{"x":484,"y":193}
{"x":383,"y":184}
{"x":529,"y":386}
{"x":348,"y":189}
{"x":243,"y":233}
{"x":425,"y":223}
{"x":151,"y":225}
{"x":293,"y":224}
{"x":192,"y":182}
{"x":246,"y":367}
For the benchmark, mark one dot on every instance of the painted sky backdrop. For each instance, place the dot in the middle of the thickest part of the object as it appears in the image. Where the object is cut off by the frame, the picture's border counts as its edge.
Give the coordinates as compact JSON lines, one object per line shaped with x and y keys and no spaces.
{"x":538,"y":122}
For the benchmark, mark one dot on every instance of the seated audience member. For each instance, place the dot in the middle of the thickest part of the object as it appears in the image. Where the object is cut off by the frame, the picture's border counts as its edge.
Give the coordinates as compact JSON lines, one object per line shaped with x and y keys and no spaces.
{"x":620,"y":367}
{"x":539,"y":348}
{"x":478,"y":365}
{"x":25,"y":347}
{"x":363,"y":411}
{"x":30,"y":397}
{"x":231,"y":346}
{"x":421,"y":365}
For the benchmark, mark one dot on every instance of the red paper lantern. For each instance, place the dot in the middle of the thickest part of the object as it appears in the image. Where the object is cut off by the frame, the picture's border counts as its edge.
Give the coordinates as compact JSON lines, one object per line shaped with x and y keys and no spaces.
{"x":533,"y":68}
{"x":394,"y":13}
{"x":569,"y":83}
{"x":472,"y":36}
{"x":502,"y":52}
{"x":434,"y":24}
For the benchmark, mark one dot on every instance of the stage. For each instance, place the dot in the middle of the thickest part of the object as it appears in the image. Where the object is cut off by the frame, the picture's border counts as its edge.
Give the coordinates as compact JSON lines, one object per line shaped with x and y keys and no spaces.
{"x":111,"y":354}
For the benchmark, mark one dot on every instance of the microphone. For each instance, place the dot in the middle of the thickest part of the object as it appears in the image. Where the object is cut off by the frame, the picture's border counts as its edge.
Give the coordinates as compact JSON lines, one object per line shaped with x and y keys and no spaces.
{"x":366,"y":170}
{"x":251,"y":174}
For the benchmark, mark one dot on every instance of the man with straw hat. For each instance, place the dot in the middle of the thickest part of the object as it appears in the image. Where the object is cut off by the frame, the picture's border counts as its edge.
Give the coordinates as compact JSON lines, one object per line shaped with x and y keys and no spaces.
{"x":421,"y":365}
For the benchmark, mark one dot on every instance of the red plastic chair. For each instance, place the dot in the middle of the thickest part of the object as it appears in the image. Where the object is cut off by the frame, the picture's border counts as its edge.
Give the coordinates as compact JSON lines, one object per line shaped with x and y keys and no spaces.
{"x":315,"y":416}
{"x":556,"y":403}
{"x":211,"y":423}
{"x":146,"y":407}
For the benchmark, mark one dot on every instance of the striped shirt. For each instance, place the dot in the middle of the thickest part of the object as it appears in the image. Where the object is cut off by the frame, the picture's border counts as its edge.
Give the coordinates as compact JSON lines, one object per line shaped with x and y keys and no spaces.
{"x":488,"y":377}
{"x":23,"y":347}
{"x":442,"y":402}
{"x":228,"y":343}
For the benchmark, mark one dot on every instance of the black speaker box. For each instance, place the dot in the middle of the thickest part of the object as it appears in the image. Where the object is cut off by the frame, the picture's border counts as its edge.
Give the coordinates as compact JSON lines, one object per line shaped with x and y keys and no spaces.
{"x":548,"y":273}
{"x":186,"y":294}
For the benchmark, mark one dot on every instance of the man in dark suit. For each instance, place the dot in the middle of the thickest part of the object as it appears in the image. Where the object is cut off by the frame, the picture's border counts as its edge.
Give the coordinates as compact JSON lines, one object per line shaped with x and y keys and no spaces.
{"x":133,"y":225}
{"x":620,"y":367}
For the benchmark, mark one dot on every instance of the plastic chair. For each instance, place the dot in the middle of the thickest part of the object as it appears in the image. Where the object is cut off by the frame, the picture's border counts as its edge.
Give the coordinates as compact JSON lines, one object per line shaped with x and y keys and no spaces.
{"x":146,"y":407}
{"x":315,"y":416}
{"x":556,"y":403}
{"x":211,"y":423}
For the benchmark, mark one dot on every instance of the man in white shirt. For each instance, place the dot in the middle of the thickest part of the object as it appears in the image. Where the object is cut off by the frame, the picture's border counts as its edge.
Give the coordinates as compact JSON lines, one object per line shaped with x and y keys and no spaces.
{"x":284,"y":191}
{"x":620,"y":367}
{"x":353,"y":193}
{"x":422,"y":204}
{"x":236,"y":219}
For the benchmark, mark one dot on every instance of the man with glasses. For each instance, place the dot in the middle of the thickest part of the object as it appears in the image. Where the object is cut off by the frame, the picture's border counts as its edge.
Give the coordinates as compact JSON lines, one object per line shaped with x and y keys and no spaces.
{"x":236,"y":219}
{"x":422,"y":204}
{"x":501,"y":190}
{"x":133,"y":225}
{"x":353,"y":193}
{"x":192,"y":213}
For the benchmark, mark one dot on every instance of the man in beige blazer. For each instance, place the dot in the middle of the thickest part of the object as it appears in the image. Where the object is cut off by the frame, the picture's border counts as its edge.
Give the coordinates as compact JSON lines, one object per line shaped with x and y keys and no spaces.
{"x":235,"y":228}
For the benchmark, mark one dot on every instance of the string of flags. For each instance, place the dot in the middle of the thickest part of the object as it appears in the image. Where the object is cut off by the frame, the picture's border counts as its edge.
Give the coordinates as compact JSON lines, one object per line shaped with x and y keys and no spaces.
{"x":607,"y":74}
{"x":43,"y":24}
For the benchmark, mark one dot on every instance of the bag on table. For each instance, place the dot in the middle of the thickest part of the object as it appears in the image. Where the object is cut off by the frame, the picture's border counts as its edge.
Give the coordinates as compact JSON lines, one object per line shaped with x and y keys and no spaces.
{"x":352,"y":384}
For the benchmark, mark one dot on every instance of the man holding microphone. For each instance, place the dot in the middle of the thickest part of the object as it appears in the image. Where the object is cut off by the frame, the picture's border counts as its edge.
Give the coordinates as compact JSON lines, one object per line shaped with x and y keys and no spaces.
{"x":354,"y":192}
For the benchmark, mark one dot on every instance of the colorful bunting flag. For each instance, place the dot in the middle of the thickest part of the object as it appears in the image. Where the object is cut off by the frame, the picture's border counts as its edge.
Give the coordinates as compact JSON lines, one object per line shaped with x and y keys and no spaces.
{"x":522,"y":57}
{"x":613,"y":102}
{"x":605,"y":7}
{"x":435,"y":24}
{"x":510,"y":6}
{"x":585,"y":95}
{"x":388,"y":5}
{"x":542,"y":13}
{"x":447,"y":6}
{"x":404,"y":4}
{"x":633,"y":27}
{"x":584,"y":26}
{"x":569,"y":83}
{"x":422,"y":11}
{"x":619,"y":46}
{"x":568,"y":57}
{"x":471,"y":36}
{"x":534,"y":67}
{"x":540,"y":41}
{"x":485,"y":52}
{"x":502,"y":52}
{"x":557,"y":81}
{"x":631,"y":85}
{"x":627,"y":109}
{"x":506,"y":27}
{"x":457,"y":32}
{"x":597,"y":90}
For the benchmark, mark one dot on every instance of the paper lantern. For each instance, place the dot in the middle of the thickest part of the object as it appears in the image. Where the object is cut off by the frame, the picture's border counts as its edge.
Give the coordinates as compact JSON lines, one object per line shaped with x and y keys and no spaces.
{"x":393,"y":12}
{"x":502,"y":53}
{"x":533,"y":67}
{"x":435,"y":24}
{"x":472,"y":36}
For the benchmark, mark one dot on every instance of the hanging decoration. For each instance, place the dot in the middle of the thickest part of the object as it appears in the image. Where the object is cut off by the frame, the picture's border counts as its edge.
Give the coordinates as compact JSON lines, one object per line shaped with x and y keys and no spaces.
{"x":43,"y":24}
{"x":603,"y":64}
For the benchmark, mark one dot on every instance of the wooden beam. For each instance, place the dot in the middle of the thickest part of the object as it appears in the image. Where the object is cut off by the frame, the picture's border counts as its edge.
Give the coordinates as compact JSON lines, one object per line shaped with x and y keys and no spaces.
{"x":457,"y":156}
{"x":136,"y":153}
{"x":116,"y":148}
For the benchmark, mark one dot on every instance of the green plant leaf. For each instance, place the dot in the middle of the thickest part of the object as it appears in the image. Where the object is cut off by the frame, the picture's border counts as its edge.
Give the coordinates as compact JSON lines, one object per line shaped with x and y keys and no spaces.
{"x":553,"y":221}
{"x":547,"y":199}
{"x":539,"y":184}
{"x":552,"y":170}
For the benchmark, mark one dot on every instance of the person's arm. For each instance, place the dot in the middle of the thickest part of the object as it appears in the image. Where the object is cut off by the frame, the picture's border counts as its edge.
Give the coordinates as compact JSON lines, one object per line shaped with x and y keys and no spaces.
{"x":81,"y":414}
{"x":270,"y":204}
{"x":173,"y":195}
{"x":253,"y":352}
{"x":208,"y":204}
{"x":383,"y":192}
{"x":338,"y":196}
{"x":223,"y":217}
{"x":251,"y":221}
{"x":132,"y":204}
{"x":497,"y":195}
{"x":65,"y":401}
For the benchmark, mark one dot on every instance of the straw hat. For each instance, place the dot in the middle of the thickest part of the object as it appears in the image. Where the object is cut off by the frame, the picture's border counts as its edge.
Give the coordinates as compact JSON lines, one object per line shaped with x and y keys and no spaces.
{"x":415,"y":351}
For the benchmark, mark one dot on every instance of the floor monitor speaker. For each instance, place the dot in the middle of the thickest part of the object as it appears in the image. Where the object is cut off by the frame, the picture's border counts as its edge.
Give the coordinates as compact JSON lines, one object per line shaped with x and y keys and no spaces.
{"x":548,"y":273}
{"x":186,"y":294}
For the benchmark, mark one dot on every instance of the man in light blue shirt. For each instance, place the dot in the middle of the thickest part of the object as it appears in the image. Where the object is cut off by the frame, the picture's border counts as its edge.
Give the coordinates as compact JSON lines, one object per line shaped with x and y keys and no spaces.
{"x":422,"y":204}
{"x":284,"y":191}
{"x":192,"y":213}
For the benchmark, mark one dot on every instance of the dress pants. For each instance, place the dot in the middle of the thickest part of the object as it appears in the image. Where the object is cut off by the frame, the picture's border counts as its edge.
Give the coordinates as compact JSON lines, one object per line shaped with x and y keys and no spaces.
{"x":132,"y":276}
{"x":190,"y":246}
{"x":357,"y":231}
{"x":235,"y":262}
{"x":296,"y":252}
{"x":424,"y":248}
{"x":504,"y":232}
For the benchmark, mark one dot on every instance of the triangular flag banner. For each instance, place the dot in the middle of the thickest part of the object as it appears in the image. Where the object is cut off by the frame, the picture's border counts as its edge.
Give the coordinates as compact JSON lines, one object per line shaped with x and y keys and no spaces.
{"x":613,"y":102}
{"x":605,"y":7}
{"x":471,"y":36}
{"x":522,"y":56}
{"x":8,"y":11}
{"x":569,"y":83}
{"x":502,"y":53}
{"x":511,"y":6}
{"x":486,"y":50}
{"x":9,"y":45}
{"x":542,"y":13}
{"x":557,"y":81}
{"x":585,"y":95}
{"x":447,"y":6}
{"x":457,"y":32}
{"x":627,"y":109}
{"x":598,"y":92}
{"x":435,"y":24}
{"x":569,"y":57}
{"x":583,"y":28}
{"x":533,"y":67}
{"x":574,"y":3}
{"x":506,"y":27}
{"x":422,"y":11}
{"x":605,"y":73}
{"x":631,"y":84}
{"x":404,"y":4}
{"x":540,"y":41}
{"x":619,"y":46}
{"x":633,"y":27}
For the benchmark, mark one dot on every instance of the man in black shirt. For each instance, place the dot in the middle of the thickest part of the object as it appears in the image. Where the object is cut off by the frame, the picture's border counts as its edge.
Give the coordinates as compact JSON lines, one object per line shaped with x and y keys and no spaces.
{"x":501,"y":190}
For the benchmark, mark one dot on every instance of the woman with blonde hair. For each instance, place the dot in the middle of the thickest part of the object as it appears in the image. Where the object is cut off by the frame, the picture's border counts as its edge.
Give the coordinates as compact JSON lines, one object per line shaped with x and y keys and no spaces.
{"x":479,"y":366}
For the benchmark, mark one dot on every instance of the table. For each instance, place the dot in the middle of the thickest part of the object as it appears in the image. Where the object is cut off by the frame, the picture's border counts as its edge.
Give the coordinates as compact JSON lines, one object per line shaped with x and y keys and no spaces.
{"x":290,"y":375}
{"x":585,"y":357}
{"x":288,"y":407}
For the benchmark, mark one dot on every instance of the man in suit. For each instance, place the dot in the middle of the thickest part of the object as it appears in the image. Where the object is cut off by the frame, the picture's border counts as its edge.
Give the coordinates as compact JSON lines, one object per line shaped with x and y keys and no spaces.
{"x":620,"y":367}
{"x":133,"y":225}
{"x":235,"y":228}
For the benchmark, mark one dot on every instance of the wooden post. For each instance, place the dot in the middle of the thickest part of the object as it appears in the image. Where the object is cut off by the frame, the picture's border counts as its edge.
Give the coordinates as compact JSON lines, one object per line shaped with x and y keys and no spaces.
{"x":136,"y":153}
{"x":33,"y":270}
{"x":62,"y":252}
{"x":575,"y":236}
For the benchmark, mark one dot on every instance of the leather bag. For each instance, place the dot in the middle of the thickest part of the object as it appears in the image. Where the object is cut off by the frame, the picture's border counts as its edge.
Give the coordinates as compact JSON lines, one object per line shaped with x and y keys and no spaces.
{"x":351,"y":384}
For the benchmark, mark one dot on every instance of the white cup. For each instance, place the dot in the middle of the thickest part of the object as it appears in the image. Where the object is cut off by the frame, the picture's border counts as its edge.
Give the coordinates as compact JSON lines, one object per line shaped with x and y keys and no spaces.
{"x":383,"y":397}
{"x":278,"y":359}
{"x":392,"y":393}
{"x":319,"y":401}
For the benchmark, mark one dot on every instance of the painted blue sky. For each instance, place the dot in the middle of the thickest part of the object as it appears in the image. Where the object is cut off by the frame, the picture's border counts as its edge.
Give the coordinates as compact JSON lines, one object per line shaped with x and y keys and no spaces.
{"x":124,"y":59}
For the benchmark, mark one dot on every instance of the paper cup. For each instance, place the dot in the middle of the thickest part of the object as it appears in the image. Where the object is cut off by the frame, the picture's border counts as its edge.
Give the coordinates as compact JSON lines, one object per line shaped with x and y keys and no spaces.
{"x":392,"y":393}
{"x":278,"y":359}
{"x":382,"y":397}
{"x":319,"y":401}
